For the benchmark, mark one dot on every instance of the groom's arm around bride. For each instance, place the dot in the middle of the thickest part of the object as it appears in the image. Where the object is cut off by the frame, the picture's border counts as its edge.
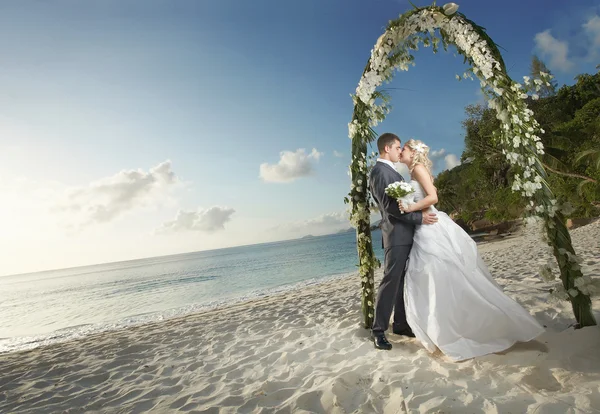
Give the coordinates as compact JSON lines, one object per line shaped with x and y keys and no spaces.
{"x":380,"y":178}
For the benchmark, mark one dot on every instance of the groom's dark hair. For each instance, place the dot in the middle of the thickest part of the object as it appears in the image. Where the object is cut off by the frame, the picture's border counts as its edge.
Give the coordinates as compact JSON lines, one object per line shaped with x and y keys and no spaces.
{"x":385,"y":140}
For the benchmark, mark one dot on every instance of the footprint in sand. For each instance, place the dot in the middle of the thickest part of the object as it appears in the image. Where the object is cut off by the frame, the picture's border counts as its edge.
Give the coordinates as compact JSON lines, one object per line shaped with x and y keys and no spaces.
{"x":310,"y":401}
{"x":541,"y":379}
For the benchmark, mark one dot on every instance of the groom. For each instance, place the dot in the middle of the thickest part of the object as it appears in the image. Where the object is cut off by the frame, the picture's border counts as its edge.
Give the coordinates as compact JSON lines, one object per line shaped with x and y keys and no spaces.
{"x":397,"y":231}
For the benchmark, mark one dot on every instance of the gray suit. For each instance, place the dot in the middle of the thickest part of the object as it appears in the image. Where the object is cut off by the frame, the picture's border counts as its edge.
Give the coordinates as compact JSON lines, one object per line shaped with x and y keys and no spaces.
{"x":397,"y":231}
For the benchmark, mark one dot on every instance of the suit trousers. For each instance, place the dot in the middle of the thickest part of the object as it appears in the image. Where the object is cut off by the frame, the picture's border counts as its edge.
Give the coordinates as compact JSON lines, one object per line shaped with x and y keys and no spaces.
{"x":390,"y":296}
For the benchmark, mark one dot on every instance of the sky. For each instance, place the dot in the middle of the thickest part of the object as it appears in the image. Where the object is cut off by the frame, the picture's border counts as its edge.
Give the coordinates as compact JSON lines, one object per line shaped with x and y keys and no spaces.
{"x":133,"y":129}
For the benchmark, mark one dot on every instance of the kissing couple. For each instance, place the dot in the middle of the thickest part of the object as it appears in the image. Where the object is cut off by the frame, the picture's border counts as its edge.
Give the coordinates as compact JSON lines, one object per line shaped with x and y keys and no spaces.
{"x":434,"y":280}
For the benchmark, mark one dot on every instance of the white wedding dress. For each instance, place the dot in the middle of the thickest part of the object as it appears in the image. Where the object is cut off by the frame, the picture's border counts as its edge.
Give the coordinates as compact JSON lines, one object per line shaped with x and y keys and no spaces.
{"x":452,"y":302}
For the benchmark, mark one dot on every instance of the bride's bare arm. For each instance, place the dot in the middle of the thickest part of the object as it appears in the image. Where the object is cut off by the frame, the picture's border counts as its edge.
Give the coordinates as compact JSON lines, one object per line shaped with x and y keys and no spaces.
{"x":421,"y":174}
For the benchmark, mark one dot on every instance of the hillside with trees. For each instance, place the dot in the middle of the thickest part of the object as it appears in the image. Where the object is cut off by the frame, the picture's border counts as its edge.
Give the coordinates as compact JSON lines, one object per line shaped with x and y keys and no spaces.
{"x":480,"y":187}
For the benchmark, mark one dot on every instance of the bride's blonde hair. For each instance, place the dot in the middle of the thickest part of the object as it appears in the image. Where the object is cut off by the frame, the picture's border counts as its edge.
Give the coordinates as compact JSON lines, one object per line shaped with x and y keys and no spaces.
{"x":421,"y":155}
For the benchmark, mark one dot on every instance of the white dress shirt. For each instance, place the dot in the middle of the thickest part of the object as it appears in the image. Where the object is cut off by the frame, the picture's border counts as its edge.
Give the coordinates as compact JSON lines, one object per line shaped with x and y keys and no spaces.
{"x":391,"y":164}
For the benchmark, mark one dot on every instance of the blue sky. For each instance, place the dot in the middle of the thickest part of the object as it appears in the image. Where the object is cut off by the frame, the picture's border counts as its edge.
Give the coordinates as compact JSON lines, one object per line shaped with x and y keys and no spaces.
{"x":138,"y":128}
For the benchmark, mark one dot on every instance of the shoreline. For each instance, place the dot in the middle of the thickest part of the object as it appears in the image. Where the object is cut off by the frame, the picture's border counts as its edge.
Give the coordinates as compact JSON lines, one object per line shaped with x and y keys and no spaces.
{"x":83,"y":331}
{"x":305,"y":350}
{"x":100,"y":330}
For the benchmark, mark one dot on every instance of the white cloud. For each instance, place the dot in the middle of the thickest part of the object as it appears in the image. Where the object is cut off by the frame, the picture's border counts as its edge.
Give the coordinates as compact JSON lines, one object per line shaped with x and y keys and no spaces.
{"x":443,"y":161}
{"x":337,"y":154}
{"x":556,"y":50}
{"x":403,"y":170}
{"x":437,"y":154}
{"x":209,"y":220}
{"x":323,"y":224}
{"x":437,"y":158}
{"x":104,"y":200}
{"x":451,"y":161}
{"x":291,"y":165}
{"x":328,"y":219}
{"x":592,"y":29}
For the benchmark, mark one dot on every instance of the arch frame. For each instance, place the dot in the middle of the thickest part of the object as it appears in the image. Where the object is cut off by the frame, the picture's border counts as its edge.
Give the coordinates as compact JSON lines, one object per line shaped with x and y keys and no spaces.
{"x":519,"y":135}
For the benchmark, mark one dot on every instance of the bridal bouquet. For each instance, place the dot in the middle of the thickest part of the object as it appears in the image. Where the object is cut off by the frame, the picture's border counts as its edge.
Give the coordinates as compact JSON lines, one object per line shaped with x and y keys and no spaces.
{"x":401,"y":191}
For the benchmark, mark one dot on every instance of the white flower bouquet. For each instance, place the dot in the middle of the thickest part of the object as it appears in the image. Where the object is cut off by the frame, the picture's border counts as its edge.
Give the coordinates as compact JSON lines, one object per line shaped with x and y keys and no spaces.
{"x":401,"y":191}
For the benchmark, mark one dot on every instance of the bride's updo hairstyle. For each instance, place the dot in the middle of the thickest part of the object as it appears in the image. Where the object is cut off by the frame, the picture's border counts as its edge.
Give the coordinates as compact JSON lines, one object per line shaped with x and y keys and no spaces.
{"x":421,"y":155}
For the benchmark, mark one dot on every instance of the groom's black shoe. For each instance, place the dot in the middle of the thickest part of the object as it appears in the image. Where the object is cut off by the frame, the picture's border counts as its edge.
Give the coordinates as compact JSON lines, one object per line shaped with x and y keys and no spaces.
{"x":404,"y":332}
{"x":381,"y":342}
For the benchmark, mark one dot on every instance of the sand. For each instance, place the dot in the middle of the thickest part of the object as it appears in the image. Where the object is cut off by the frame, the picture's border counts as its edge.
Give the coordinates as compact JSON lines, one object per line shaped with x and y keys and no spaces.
{"x":305,"y":352}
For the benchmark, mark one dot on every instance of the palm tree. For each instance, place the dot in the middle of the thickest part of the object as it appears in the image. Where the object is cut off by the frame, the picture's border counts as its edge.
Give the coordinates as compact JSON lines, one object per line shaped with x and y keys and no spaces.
{"x":590,"y":155}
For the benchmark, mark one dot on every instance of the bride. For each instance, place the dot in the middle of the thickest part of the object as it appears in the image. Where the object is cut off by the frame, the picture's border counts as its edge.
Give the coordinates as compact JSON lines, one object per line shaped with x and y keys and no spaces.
{"x":452,"y":301}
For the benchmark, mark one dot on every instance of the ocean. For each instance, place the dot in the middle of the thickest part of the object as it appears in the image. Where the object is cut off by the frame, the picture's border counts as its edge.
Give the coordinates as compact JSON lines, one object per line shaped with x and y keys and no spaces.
{"x":59,"y":305}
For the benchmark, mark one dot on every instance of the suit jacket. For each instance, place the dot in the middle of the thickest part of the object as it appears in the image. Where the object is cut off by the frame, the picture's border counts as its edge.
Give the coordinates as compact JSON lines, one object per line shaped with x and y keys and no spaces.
{"x":397,"y":229}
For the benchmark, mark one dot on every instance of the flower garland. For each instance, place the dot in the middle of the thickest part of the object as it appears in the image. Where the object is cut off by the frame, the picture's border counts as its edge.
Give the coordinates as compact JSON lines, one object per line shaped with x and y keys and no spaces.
{"x":519,"y":134}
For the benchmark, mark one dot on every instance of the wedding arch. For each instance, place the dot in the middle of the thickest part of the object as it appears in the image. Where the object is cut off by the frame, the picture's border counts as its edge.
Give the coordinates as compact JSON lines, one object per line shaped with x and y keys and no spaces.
{"x":519,"y":136}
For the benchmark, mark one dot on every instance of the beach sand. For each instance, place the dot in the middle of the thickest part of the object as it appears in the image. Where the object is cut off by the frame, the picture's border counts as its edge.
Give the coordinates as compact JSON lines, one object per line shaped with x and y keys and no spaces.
{"x":304,"y":351}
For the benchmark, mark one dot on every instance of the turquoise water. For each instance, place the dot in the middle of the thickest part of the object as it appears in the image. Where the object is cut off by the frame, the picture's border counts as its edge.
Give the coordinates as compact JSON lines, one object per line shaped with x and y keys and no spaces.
{"x":46,"y":307}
